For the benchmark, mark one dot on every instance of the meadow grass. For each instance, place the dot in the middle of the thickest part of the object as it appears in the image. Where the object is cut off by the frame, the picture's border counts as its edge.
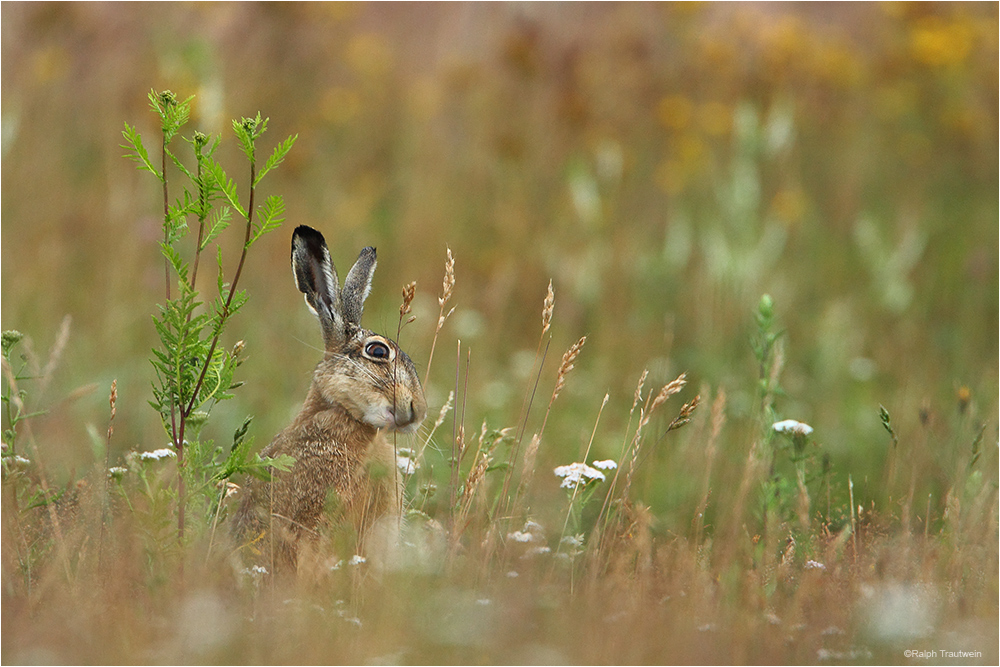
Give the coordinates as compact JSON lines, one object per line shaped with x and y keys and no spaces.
{"x":639,"y":176}
{"x":757,"y":560}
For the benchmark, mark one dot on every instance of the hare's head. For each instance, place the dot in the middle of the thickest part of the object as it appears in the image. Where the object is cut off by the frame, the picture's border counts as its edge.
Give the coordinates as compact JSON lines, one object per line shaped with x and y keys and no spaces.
{"x":363,"y":372}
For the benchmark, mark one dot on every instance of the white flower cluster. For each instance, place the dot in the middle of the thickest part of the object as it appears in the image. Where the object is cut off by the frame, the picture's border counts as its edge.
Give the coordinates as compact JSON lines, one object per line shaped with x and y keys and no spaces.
{"x":157,"y":454}
{"x":520,"y":536}
{"x":792,"y":427}
{"x":356,"y":559}
{"x":532,"y":532}
{"x":406,"y":460}
{"x":577,"y":474}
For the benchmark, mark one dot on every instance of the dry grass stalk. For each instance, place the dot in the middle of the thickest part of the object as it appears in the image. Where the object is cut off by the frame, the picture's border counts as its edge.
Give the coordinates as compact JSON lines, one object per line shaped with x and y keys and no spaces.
{"x":445,"y":409}
{"x":684,"y":416}
{"x":55,"y":356}
{"x":621,"y":456}
{"x":113,"y":400}
{"x":409,"y":291}
{"x":456,"y":430}
{"x":448,"y":283}
{"x":43,"y":481}
{"x":586,"y":455}
{"x":638,"y":391}
{"x":752,"y":472}
{"x":477,"y":473}
{"x":548,"y":305}
{"x":527,"y":471}
{"x":564,"y":368}
{"x":447,"y":287}
{"x":530,"y":455}
{"x":568,"y":363}
{"x":718,"y":420}
{"x":645,"y":414}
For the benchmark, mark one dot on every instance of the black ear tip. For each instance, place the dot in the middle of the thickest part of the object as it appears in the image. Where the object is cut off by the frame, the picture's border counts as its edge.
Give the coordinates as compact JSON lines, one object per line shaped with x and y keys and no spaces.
{"x":307,"y":237}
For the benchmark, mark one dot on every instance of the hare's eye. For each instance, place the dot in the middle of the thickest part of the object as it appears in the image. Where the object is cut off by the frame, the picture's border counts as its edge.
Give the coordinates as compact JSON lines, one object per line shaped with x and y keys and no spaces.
{"x":377,"y":350}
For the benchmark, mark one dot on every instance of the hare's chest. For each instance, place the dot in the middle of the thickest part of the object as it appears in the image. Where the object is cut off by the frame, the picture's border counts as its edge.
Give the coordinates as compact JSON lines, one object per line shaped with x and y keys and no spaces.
{"x":325,"y":464}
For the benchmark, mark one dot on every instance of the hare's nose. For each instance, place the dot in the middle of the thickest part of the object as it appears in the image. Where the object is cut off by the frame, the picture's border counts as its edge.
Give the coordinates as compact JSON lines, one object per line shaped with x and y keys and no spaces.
{"x":411,"y":413}
{"x":405,"y":414}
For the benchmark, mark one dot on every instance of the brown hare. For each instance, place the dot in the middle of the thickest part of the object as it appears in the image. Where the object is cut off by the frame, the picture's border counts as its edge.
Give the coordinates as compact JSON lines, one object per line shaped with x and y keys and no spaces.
{"x":364,"y":386}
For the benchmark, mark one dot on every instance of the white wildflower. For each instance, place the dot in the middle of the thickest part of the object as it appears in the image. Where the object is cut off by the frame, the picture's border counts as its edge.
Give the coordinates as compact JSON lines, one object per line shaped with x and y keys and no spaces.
{"x":605,"y":465}
{"x":157,"y":454}
{"x":117,"y":472}
{"x":255,"y":571}
{"x":20,"y":459}
{"x":512,"y":574}
{"x":575,"y":541}
{"x":520,"y":536}
{"x":814,"y":565}
{"x":344,"y":614}
{"x":536,"y":551}
{"x":792,"y":427}
{"x":406,"y":460}
{"x":407,"y":466}
{"x":357,"y":560}
{"x":577,"y":474}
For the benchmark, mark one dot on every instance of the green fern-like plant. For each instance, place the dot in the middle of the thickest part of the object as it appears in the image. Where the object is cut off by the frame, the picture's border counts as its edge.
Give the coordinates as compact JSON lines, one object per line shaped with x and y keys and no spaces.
{"x":193,"y":372}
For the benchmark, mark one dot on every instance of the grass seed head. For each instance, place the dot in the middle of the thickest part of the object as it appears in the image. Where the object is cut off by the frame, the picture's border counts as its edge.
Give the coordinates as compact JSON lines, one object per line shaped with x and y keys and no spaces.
{"x":409,"y":290}
{"x":638,"y":389}
{"x":684,"y":416}
{"x":530,"y":453}
{"x":567,"y":365}
{"x":448,"y":284}
{"x":547,"y":307}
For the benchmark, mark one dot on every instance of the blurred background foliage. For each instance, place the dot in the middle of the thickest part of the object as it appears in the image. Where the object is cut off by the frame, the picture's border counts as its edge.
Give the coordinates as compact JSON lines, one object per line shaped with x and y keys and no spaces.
{"x":663,"y":164}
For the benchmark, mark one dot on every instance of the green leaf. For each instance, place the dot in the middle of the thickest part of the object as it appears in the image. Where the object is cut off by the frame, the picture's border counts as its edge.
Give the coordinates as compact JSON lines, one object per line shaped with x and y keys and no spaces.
{"x":240,"y":435}
{"x":277,"y":157}
{"x":271,"y":217}
{"x":226,"y":185}
{"x":220,"y":221}
{"x":175,"y":259}
{"x":138,"y":151}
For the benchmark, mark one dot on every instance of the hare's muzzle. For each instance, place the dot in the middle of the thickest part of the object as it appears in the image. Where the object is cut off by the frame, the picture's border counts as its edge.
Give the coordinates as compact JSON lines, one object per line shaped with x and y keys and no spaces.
{"x":409,"y":414}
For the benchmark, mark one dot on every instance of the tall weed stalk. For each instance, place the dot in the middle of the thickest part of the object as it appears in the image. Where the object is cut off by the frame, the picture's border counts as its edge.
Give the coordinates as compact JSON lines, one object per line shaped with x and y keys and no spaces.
{"x":193,"y":372}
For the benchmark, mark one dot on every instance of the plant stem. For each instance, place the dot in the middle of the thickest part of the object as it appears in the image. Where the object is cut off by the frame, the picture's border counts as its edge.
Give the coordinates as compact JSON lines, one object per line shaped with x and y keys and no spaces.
{"x":202,"y":203}
{"x":189,"y":408}
{"x":229,"y":300}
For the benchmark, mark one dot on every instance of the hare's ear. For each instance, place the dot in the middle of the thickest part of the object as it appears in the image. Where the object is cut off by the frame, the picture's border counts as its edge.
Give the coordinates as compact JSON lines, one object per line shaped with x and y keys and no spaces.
{"x":357,"y":285}
{"x":316,"y":277}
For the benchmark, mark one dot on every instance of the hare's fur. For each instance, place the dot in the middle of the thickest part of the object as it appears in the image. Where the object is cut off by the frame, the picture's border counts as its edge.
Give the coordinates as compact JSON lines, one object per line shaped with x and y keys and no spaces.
{"x":364,"y":386}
